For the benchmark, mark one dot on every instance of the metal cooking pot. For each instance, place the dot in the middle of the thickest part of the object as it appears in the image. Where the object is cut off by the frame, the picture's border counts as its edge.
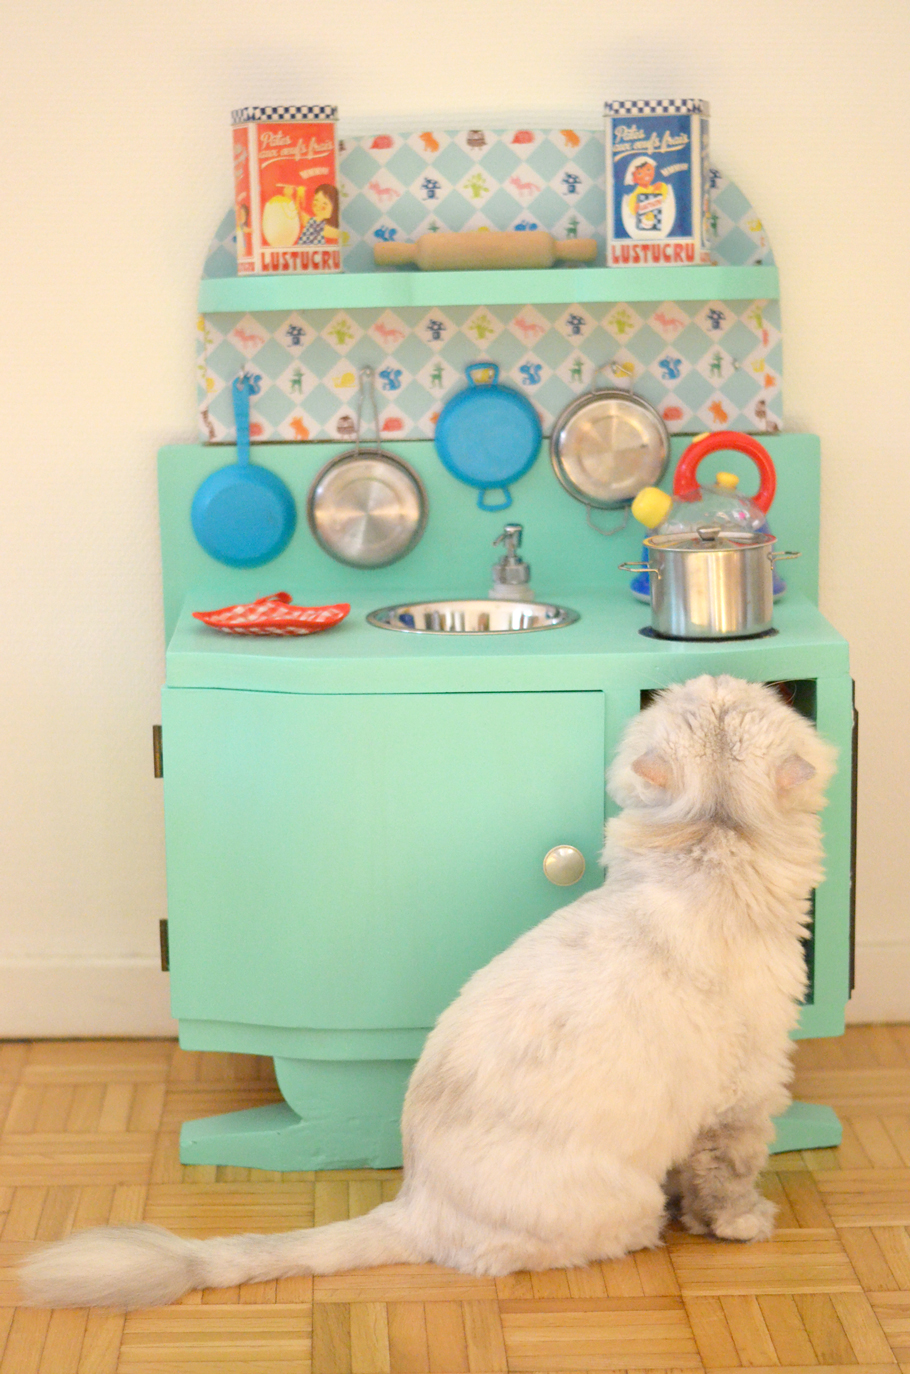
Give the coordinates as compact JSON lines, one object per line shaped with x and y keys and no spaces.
{"x":710,"y":583}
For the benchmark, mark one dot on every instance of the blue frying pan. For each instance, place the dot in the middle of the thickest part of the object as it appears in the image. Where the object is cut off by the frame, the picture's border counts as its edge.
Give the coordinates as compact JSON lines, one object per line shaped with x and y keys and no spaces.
{"x":243,"y":515}
{"x":488,"y":435}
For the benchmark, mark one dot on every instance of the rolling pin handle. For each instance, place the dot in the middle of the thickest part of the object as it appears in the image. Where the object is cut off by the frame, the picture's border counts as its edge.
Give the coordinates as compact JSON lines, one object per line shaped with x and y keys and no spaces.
{"x":575,"y":250}
{"x":391,"y":254}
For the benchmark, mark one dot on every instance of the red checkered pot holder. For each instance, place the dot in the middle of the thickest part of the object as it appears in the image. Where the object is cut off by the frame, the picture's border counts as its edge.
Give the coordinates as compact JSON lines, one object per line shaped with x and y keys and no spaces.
{"x":273,"y":615}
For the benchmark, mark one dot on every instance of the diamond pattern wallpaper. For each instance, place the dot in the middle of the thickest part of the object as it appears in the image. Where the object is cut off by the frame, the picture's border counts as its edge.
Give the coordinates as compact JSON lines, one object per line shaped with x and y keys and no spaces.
{"x":705,"y":365}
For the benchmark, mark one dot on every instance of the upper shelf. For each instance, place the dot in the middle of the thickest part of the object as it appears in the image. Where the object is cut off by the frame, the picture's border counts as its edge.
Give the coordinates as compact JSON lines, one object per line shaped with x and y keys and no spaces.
{"x":399,"y":288}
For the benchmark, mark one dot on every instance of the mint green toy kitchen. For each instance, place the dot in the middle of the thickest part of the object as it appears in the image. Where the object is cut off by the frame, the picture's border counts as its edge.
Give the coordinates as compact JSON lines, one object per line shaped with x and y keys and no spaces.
{"x":358,"y":819}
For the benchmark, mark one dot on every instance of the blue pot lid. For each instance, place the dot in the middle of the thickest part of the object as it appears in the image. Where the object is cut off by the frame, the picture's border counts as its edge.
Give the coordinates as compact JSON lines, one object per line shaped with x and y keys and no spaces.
{"x":268,"y":114}
{"x":488,"y":435}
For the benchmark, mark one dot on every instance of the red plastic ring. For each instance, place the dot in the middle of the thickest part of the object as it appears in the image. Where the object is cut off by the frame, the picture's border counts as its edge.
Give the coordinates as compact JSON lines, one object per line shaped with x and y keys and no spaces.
{"x":684,"y":483}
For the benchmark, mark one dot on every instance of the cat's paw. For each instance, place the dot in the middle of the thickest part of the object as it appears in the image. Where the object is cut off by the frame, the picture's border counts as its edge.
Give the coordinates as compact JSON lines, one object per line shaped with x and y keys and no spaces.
{"x":694,"y":1224}
{"x":756,"y":1224}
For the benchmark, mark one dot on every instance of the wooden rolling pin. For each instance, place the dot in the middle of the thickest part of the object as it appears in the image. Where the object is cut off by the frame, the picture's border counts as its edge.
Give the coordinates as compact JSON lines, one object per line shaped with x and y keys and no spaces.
{"x":485,"y":248}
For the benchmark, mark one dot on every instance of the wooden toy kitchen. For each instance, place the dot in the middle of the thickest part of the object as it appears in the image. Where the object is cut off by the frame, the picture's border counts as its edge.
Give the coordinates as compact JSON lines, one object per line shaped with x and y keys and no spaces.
{"x":357,"y":819}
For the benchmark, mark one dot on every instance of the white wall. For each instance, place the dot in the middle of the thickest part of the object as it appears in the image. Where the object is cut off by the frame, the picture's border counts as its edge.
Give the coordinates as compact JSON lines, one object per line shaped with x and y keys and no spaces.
{"x":115,"y":172}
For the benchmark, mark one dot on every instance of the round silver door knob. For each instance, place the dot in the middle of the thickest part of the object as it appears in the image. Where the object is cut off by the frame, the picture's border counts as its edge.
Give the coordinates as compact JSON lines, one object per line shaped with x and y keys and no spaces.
{"x":564,"y":865}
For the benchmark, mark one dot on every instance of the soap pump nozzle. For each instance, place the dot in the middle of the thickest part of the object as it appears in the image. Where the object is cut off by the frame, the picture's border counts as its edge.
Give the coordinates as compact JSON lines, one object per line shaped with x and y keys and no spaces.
{"x":511,"y":575}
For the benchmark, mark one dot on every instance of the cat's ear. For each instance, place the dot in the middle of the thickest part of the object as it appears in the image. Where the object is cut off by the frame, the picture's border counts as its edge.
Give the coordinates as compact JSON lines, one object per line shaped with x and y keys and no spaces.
{"x":793,"y":771}
{"x":653,"y":767}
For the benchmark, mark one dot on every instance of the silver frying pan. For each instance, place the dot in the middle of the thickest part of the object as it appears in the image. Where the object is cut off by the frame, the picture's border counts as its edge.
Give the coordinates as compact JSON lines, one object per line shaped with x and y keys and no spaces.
{"x":367,"y":508}
{"x":605,"y":446}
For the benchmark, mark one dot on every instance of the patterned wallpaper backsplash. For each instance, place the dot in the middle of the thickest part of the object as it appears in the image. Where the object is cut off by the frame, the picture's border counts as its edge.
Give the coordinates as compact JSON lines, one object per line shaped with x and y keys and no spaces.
{"x":706,"y":365}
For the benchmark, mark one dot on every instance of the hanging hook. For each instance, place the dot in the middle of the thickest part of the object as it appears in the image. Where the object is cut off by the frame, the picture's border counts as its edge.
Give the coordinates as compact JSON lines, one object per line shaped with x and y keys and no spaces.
{"x":367,"y":387}
{"x":616,"y":528}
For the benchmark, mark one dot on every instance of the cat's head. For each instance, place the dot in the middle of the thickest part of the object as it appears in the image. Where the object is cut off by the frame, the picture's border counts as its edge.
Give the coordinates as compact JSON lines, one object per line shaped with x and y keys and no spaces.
{"x":718,"y":747}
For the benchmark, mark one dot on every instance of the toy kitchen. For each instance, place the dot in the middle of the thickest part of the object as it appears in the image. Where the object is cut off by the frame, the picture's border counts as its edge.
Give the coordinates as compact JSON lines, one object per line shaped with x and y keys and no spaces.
{"x":456,"y":511}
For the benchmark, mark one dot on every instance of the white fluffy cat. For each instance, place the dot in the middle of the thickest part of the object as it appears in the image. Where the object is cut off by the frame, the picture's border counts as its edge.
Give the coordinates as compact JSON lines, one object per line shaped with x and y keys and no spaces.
{"x":629,"y":1050}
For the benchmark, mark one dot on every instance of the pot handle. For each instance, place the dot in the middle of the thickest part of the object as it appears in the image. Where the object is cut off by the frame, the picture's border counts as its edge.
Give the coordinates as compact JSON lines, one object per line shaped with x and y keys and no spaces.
{"x":616,"y":528}
{"x":684,"y":481}
{"x":499,"y":505}
{"x":777,"y":557}
{"x":639,"y":568}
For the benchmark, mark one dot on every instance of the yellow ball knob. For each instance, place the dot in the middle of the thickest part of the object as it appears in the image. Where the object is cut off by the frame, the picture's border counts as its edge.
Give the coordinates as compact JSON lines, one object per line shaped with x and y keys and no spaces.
{"x":728,"y":480}
{"x":651,"y":505}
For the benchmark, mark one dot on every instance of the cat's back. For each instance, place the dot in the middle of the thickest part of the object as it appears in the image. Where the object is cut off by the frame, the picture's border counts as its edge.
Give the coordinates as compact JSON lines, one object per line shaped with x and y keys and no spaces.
{"x":580,"y":978}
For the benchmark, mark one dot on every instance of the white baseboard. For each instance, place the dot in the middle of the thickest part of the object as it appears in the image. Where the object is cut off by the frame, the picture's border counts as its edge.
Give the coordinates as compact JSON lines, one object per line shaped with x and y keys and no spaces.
{"x":81,"y":999}
{"x":71,"y":999}
{"x":882,"y":984}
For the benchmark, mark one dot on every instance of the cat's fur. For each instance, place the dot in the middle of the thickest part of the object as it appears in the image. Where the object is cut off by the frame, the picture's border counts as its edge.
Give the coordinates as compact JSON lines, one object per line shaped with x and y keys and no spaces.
{"x":630,"y":1050}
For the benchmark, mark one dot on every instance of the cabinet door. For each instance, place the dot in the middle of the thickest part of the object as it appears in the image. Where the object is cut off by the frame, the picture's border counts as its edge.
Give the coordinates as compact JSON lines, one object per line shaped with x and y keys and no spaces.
{"x":346,"y":862}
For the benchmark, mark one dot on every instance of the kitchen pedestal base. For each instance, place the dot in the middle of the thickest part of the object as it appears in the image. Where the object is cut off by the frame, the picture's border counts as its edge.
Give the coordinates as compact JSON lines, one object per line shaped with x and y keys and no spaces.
{"x":346,"y":1115}
{"x":806,"y":1126}
{"x":336,"y":1115}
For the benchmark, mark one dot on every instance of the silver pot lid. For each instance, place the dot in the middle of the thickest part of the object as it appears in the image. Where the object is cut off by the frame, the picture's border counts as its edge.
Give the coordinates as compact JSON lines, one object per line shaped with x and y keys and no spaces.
{"x":367,"y":508}
{"x":607,"y":445}
{"x":709,"y":538}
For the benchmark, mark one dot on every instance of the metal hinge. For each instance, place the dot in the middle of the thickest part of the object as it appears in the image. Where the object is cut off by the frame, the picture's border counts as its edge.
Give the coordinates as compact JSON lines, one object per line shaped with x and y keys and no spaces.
{"x":157,"y":751}
{"x":165,"y":948}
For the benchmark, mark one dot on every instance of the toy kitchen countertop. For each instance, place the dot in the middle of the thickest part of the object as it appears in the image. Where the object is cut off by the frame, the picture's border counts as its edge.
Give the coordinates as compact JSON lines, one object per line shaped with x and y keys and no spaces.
{"x":592,"y":653}
{"x":571,"y":565}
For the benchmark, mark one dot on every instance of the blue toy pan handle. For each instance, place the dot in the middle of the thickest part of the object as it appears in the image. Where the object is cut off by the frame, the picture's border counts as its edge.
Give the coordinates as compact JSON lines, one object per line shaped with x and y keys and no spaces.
{"x":502,"y":505}
{"x":482,"y":374}
{"x":243,"y":387}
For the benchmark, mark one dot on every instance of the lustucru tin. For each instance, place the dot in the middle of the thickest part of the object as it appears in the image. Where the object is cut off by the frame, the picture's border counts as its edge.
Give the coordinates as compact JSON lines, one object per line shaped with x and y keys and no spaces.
{"x":658,"y":183}
{"x":286,"y":189}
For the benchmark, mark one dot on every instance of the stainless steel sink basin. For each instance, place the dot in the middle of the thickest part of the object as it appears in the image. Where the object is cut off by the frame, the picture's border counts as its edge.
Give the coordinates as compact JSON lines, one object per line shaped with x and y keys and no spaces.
{"x":472,"y":617}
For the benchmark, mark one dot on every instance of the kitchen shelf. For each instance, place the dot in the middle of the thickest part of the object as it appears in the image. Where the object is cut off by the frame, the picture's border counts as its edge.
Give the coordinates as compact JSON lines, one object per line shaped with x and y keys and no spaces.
{"x":398,"y":289}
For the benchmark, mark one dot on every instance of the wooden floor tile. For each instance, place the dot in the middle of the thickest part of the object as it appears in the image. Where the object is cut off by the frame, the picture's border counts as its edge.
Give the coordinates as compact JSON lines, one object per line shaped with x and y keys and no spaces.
{"x":92,"y":1061}
{"x":869,"y":1092}
{"x":370,"y":1337}
{"x":397,"y":1282}
{"x":893,"y":1312}
{"x":792,"y":1262}
{"x":867,"y":1197}
{"x":75,"y":1159}
{"x":186,"y":1337}
{"x":607,"y":1333}
{"x":63,"y":1343}
{"x":89,"y":1134}
{"x":748,"y":1328}
{"x":711,"y":1331}
{"x":213,"y":1209}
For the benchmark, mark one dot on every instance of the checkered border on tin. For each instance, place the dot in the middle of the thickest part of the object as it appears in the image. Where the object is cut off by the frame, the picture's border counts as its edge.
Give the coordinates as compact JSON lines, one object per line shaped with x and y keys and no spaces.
{"x":655,"y":107}
{"x":263,"y":113}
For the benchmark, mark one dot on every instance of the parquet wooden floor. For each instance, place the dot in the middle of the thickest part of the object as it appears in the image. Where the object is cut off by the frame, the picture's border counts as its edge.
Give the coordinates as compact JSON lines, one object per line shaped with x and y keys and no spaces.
{"x":90,"y":1135}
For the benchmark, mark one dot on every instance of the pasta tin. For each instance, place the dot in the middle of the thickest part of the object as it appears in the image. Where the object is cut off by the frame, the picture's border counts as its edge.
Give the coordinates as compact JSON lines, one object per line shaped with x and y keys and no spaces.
{"x":286,"y":188}
{"x":658,"y":198}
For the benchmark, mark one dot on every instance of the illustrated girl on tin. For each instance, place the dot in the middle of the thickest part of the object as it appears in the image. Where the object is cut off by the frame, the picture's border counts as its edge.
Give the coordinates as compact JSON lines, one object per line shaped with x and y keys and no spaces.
{"x":322,"y":225}
{"x":650,"y":208}
{"x":243,"y":230}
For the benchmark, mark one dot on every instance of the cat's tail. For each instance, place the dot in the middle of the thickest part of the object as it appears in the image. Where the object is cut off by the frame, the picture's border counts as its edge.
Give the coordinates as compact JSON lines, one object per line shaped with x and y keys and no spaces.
{"x":144,"y":1266}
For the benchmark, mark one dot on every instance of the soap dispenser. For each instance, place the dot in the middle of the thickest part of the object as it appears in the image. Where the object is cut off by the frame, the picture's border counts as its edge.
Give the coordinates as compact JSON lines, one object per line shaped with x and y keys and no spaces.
{"x":511,"y":575}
